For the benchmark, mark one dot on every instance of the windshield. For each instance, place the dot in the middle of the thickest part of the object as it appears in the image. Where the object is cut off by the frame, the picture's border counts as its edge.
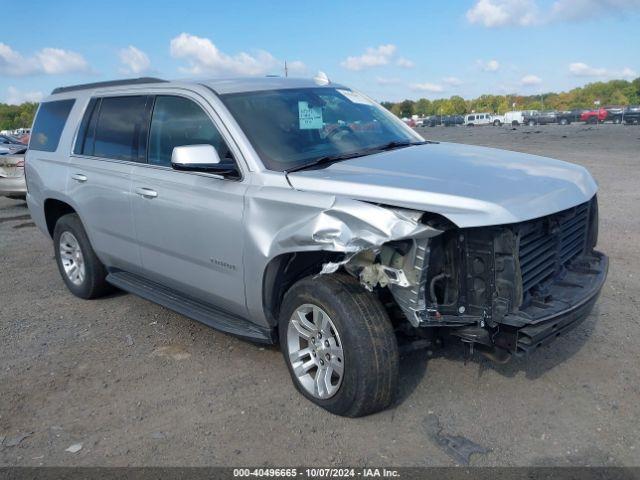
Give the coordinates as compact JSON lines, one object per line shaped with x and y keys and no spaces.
{"x":292,"y":127}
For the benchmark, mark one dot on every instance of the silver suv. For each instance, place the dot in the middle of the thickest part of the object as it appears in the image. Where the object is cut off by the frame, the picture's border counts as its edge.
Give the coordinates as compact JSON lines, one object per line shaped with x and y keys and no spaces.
{"x":301,"y":211}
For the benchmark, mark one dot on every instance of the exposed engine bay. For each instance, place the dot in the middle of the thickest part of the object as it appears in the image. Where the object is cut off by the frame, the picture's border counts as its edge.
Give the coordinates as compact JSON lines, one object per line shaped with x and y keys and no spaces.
{"x":505,"y":289}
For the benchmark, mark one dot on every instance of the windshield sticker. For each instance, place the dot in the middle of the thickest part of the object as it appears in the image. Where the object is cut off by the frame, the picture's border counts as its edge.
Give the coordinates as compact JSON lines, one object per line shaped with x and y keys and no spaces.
{"x":310,"y":117}
{"x":355,"y":97}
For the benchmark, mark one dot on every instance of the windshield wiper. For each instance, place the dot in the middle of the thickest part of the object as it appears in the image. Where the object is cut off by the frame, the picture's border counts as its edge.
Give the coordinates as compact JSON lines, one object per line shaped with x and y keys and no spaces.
{"x":329,"y":159}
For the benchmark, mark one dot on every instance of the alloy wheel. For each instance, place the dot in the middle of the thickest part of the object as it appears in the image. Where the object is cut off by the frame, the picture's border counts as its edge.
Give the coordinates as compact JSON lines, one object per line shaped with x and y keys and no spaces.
{"x":315,"y":351}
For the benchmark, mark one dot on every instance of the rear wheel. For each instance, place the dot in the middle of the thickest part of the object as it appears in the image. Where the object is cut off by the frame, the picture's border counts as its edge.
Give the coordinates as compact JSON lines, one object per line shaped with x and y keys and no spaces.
{"x":339,"y":345}
{"x":496,"y":123}
{"x":563,"y":121}
{"x":531,"y":123}
{"x":81,"y":270}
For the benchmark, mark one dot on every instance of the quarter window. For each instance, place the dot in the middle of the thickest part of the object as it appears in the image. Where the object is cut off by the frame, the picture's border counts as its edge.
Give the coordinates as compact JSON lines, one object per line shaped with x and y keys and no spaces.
{"x":118,"y":128}
{"x":176,"y":122}
{"x":49,"y":124}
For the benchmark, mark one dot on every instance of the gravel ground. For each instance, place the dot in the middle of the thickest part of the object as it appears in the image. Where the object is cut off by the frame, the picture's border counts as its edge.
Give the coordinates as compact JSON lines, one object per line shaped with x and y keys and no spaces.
{"x":136,"y":384}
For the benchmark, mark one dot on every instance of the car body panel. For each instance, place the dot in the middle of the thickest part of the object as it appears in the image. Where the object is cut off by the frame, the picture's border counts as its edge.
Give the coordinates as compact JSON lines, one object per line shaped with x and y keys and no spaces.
{"x":452,"y":180}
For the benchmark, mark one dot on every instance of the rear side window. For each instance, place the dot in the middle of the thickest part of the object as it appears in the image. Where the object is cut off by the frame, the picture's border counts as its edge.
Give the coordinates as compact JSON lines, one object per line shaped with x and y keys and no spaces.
{"x":49,"y":124}
{"x":114,"y":127}
{"x":118,"y":129}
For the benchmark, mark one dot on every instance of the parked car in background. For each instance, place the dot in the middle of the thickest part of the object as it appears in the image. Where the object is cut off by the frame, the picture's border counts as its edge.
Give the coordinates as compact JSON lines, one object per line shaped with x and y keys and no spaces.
{"x":594,"y":116}
{"x":540,"y":118}
{"x":497,"y":120}
{"x":567,"y":117}
{"x":12,"y":144}
{"x":614,"y":114}
{"x":515,"y":118}
{"x":473,"y":119}
{"x":632,"y":114}
{"x":12,"y":182}
{"x":452,"y":120}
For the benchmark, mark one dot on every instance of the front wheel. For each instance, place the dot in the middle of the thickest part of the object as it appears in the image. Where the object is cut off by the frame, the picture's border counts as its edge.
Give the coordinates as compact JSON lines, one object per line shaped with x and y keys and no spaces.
{"x":496,"y":123}
{"x":339,"y":345}
{"x":531,"y":123}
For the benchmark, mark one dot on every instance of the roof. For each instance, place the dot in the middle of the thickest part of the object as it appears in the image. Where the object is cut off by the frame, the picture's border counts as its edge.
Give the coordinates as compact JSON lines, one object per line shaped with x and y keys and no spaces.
{"x":220,"y":85}
{"x":252,"y":84}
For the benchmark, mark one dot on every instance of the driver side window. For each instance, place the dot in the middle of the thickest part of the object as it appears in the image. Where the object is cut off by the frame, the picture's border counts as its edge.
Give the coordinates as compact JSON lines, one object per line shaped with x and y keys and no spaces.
{"x":176,"y":122}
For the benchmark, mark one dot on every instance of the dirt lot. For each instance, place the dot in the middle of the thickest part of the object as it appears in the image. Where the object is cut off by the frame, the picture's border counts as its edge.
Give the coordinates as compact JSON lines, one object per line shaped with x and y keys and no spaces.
{"x":136,"y":384}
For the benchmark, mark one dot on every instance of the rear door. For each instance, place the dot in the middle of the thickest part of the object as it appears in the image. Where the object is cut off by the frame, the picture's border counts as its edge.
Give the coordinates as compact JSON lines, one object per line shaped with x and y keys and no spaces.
{"x":108,"y":145}
{"x":189,"y":225}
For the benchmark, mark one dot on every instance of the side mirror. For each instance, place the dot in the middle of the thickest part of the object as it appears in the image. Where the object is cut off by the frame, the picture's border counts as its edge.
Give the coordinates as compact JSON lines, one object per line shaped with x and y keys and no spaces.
{"x":200,"y":158}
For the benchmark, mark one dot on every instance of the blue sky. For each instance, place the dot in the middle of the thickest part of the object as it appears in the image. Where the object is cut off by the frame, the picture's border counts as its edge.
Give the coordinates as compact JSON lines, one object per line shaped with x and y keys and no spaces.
{"x":390,"y":50}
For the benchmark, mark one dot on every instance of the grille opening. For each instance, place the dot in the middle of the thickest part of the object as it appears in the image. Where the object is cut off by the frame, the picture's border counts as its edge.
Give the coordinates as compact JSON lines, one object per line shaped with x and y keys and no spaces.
{"x":548,"y":244}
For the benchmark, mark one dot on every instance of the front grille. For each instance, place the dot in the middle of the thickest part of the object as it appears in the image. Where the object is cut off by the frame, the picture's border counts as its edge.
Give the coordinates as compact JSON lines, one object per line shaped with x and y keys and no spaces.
{"x":549,"y":243}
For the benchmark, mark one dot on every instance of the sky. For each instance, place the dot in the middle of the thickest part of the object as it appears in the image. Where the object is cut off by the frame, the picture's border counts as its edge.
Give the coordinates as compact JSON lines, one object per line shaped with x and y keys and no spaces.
{"x":390,"y":50}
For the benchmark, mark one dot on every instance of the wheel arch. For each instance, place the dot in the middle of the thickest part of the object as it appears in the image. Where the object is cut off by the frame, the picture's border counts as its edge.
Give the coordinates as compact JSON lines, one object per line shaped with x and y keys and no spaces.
{"x":53,"y":210}
{"x":285,"y":270}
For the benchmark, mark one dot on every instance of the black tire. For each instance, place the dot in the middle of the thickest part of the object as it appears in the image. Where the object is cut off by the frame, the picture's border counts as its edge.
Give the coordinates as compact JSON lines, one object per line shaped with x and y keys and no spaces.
{"x":563,"y":121}
{"x":531,"y":123}
{"x":496,"y":123}
{"x":370,"y":349}
{"x":93,"y":285}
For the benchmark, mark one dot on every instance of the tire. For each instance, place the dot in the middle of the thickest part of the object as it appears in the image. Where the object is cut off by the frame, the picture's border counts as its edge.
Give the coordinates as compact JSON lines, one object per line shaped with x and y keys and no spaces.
{"x":496,"y":123}
{"x":515,"y":123}
{"x":359,"y":325}
{"x":88,"y":279}
{"x":616,"y":120}
{"x":531,"y":123}
{"x":564,"y":121}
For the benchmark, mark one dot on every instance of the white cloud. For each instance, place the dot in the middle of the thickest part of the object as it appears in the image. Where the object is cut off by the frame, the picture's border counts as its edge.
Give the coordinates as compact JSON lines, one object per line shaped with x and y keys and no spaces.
{"x":373,"y":57}
{"x":203,"y":57}
{"x":16,"y":97}
{"x":579,"y":69}
{"x":525,"y":13}
{"x":134,"y":61}
{"x":387,"y":81}
{"x":452,"y":81}
{"x":500,"y":13}
{"x":405,"y":63}
{"x":488,"y":66}
{"x":529,"y":80}
{"x":427,"y":87}
{"x":50,"y":61}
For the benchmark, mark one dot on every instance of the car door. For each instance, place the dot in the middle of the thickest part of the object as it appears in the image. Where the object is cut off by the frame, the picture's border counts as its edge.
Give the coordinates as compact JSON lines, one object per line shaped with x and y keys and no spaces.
{"x":107,"y":147}
{"x":189,"y":225}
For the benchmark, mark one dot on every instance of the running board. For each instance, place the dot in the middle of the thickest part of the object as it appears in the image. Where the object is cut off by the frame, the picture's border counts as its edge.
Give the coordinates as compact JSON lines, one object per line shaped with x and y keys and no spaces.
{"x":189,"y":307}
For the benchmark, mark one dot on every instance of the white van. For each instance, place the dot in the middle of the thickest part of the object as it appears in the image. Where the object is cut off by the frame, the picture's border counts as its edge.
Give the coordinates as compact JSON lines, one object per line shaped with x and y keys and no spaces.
{"x":477,"y":119}
{"x":514,"y":118}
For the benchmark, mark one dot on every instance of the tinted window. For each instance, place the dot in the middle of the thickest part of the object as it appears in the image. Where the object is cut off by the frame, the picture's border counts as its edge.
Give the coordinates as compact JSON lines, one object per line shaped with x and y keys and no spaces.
{"x":84,"y":140}
{"x":117,"y":131}
{"x":176,"y":122}
{"x":472,"y":117}
{"x":49,"y":125}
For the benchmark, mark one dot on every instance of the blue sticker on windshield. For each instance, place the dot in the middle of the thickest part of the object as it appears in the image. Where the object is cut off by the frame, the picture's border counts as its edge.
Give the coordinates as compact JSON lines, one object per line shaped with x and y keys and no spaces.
{"x":310,"y":117}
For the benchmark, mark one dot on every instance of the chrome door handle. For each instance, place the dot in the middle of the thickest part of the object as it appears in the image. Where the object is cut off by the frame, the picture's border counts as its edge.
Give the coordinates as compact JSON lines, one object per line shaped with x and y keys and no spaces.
{"x":78,"y":177}
{"x":146,"y":192}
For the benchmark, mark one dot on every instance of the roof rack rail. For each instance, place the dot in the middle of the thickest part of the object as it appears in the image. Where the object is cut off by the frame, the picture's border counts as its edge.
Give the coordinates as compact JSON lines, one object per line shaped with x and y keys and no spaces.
{"x":112,"y":83}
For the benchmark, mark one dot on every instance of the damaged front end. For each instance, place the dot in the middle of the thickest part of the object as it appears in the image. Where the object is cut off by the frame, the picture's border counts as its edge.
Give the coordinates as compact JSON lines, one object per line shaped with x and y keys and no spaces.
{"x":504,"y":289}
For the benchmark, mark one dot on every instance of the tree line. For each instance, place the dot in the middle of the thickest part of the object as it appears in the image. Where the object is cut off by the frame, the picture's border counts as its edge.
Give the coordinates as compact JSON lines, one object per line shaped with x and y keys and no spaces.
{"x":613,"y":92}
{"x":17,"y":116}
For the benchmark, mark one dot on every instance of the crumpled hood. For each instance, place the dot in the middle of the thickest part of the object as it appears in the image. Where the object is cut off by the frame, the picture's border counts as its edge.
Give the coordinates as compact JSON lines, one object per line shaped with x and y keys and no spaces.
{"x":471,"y":186}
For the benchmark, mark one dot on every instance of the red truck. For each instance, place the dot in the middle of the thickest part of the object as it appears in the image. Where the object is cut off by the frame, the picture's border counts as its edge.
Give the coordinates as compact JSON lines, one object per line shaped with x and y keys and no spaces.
{"x":594,"y":116}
